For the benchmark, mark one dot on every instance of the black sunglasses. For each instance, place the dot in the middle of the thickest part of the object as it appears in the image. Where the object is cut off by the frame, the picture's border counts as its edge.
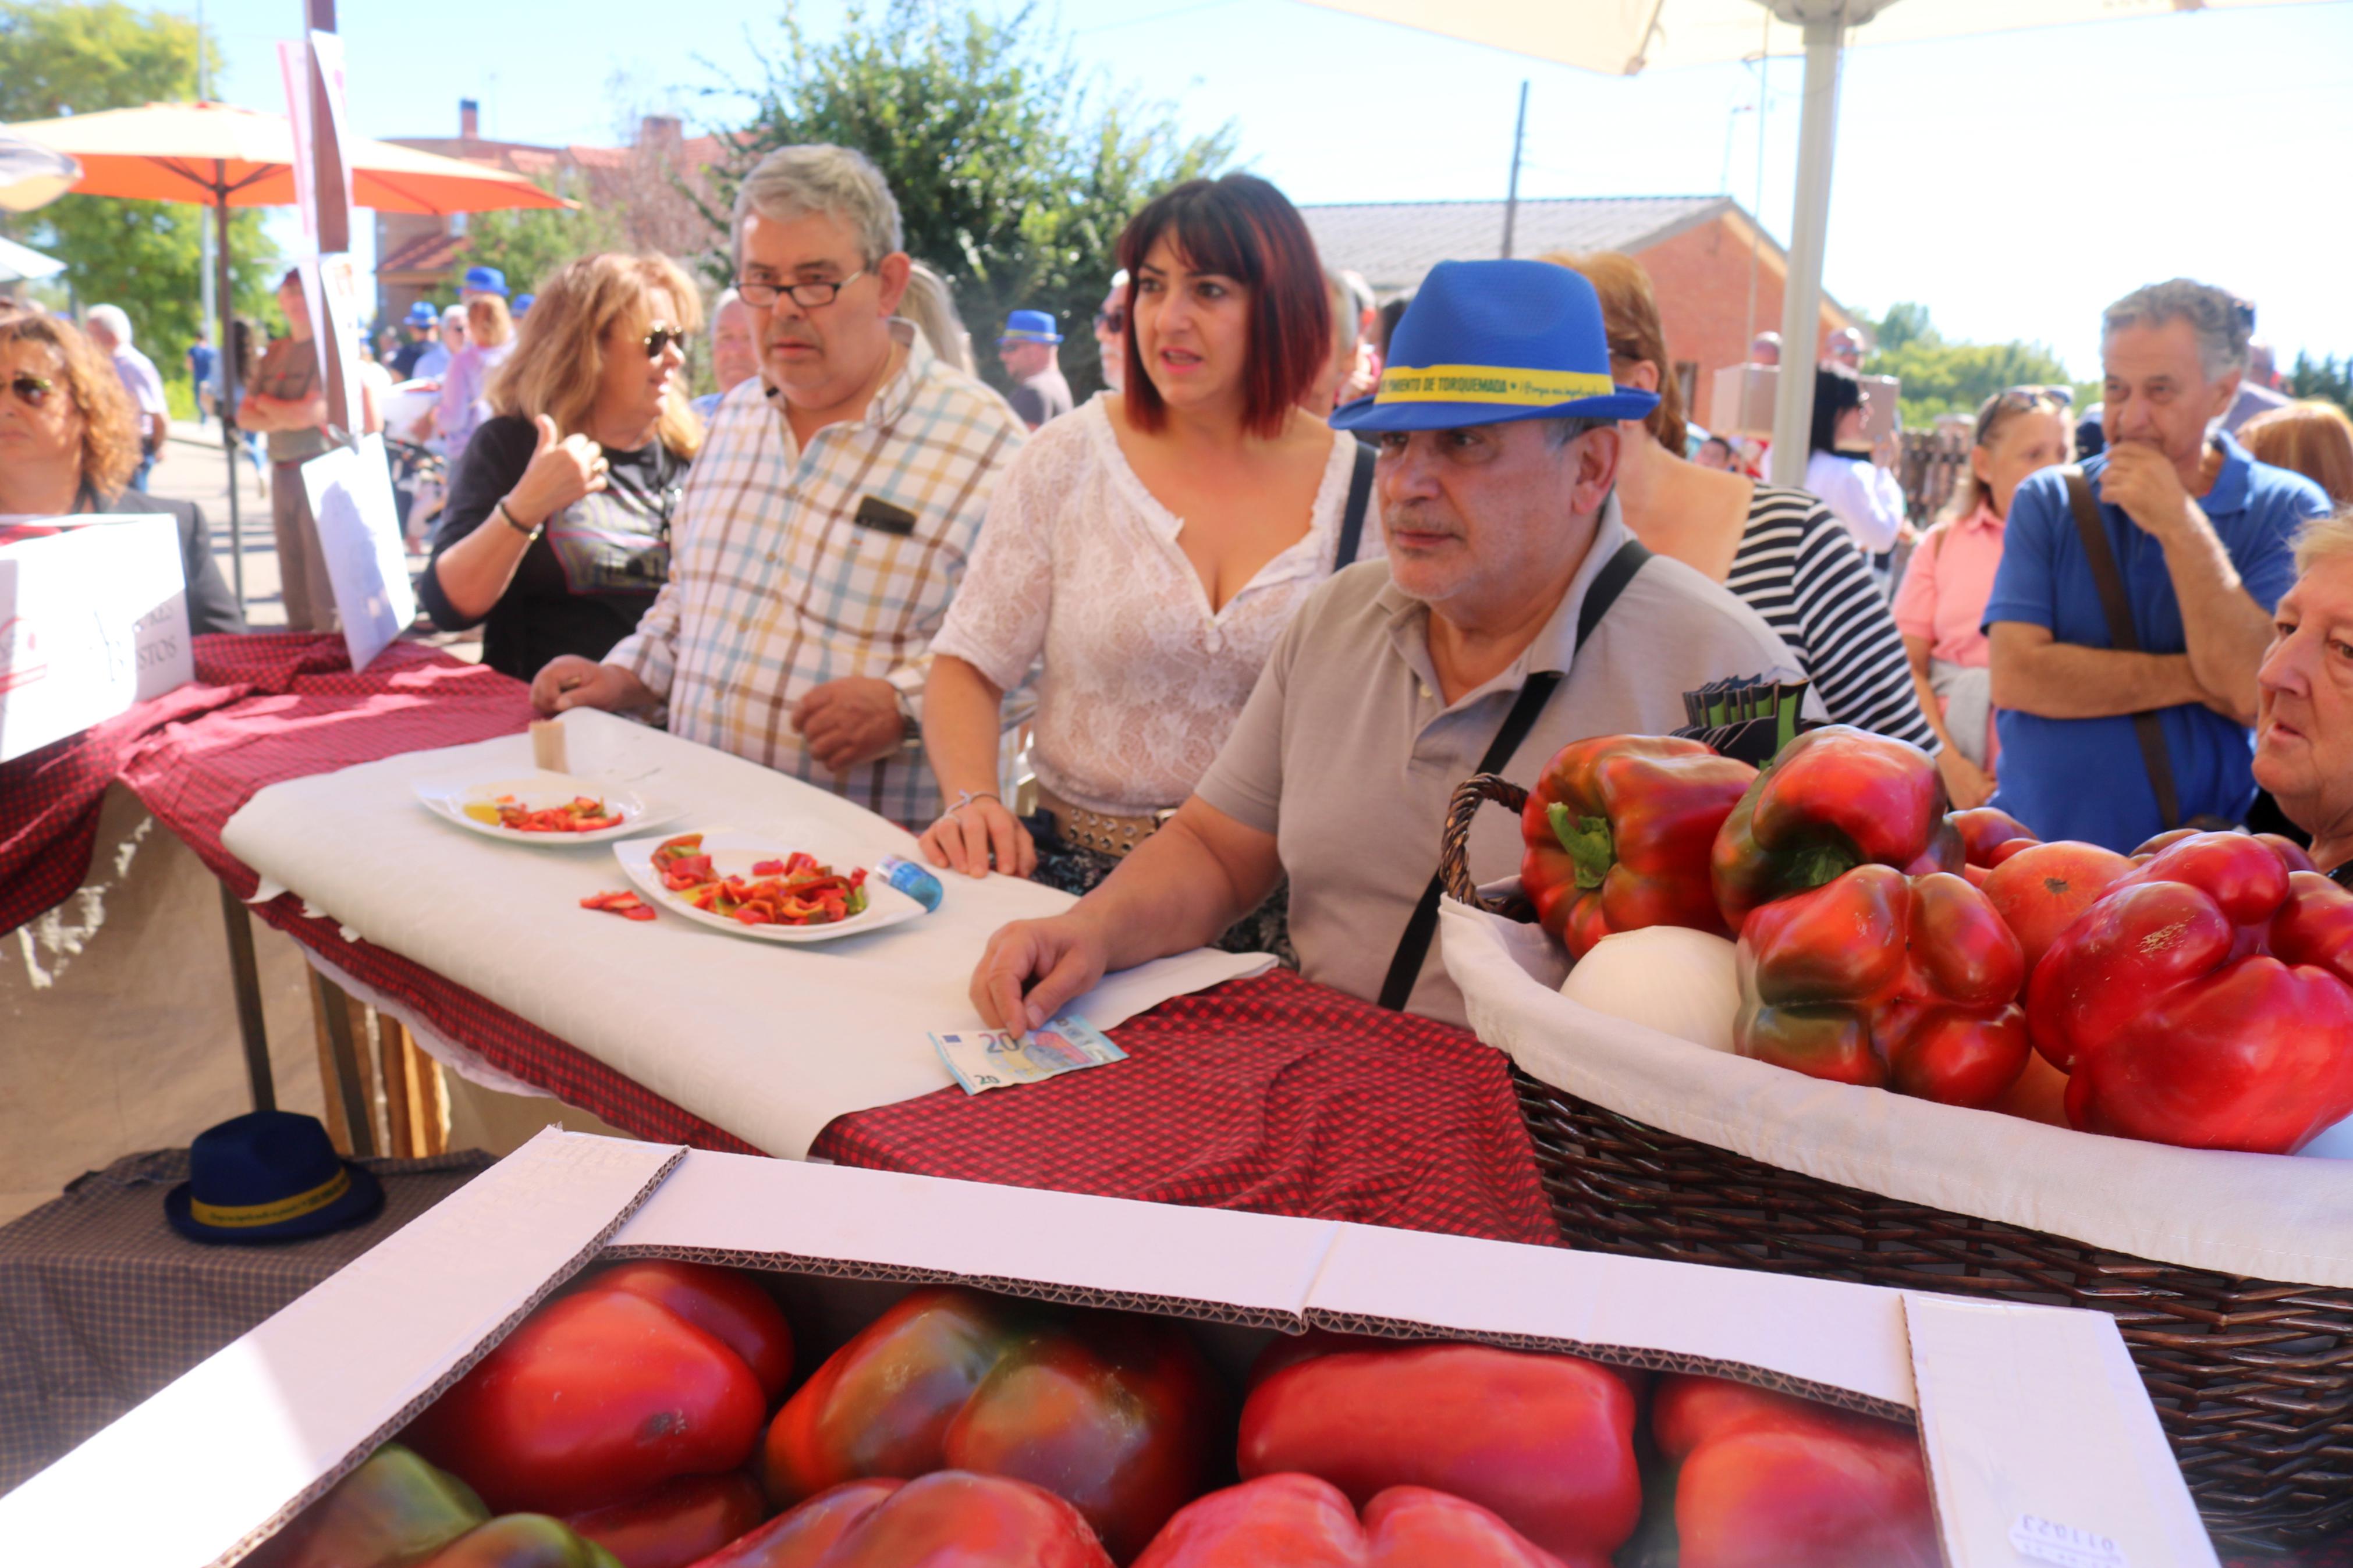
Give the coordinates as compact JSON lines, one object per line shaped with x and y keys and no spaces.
{"x":32,"y":390}
{"x":1111,"y":320}
{"x":661,"y":339}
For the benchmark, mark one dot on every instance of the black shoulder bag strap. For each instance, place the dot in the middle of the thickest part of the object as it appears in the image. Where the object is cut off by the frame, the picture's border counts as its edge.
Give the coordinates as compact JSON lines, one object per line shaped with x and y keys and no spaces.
{"x":2121,"y":636}
{"x":1405,"y":965}
{"x":1351,"y":521}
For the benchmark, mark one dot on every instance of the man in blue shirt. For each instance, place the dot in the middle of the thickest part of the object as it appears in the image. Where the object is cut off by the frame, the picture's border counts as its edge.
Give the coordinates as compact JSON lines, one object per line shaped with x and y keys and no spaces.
{"x":2201,"y":533}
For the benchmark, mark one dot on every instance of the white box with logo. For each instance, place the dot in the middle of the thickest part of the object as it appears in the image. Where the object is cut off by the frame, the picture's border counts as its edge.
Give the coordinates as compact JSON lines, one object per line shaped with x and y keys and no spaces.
{"x":93,"y":619}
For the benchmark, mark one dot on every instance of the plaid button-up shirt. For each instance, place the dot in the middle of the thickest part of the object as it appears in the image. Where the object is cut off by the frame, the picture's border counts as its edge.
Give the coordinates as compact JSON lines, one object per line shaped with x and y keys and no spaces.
{"x":777,"y":587}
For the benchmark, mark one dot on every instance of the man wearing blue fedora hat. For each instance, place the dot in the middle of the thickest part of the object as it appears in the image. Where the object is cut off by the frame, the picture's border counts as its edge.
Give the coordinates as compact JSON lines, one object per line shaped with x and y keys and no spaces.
{"x":1514,"y":614}
{"x":1028,"y":347}
{"x":423,"y":322}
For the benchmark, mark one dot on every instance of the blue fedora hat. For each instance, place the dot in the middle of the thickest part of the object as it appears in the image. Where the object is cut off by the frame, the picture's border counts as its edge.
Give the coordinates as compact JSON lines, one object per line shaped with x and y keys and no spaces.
{"x":1028,"y":327}
{"x":1486,"y":341}
{"x":486,"y":281}
{"x":268,"y":1175}
{"x":522,"y":304}
{"x":423,"y":314}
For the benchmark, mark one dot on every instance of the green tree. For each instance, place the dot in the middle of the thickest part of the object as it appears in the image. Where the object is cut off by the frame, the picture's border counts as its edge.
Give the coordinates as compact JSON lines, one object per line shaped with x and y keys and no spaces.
{"x":2323,"y":379}
{"x":1942,"y":377}
{"x":527,"y":244}
{"x":1014,"y":175}
{"x":145,"y":257}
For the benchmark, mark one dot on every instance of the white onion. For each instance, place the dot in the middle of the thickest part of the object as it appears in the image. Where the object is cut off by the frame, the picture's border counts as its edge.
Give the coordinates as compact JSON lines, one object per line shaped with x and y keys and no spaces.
{"x":1677,"y":980}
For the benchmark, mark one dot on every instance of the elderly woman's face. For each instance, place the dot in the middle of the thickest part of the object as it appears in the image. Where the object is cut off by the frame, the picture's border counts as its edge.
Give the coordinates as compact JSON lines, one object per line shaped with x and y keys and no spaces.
{"x":39,"y":421}
{"x":2304,"y":710}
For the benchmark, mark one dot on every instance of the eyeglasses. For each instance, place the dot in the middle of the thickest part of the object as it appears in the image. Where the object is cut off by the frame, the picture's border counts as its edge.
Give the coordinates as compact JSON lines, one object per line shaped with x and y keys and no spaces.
{"x":31,"y":390}
{"x":760,"y":293}
{"x":1111,"y":320}
{"x":659,"y":341}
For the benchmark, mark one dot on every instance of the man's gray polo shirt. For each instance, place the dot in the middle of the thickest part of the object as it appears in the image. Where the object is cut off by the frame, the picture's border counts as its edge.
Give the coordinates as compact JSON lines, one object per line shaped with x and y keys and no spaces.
{"x":1348,"y":754}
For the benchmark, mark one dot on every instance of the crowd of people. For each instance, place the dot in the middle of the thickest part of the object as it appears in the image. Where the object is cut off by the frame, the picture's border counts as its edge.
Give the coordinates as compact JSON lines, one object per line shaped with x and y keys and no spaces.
{"x":1310,"y":560}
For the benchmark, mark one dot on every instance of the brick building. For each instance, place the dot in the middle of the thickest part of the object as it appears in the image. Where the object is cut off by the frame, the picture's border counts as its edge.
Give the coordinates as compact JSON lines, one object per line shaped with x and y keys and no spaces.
{"x":1698,"y":250}
{"x":417,"y":254}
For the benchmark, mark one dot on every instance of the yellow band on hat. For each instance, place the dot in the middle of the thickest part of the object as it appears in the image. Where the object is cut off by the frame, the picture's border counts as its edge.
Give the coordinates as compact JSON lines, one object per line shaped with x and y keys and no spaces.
{"x":1490,"y":384}
{"x":241,"y":1216}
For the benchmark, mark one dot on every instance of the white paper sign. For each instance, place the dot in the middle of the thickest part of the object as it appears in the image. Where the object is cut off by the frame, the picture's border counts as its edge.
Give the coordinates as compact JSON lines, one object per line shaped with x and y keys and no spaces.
{"x":93,"y":620}
{"x":359,"y":535}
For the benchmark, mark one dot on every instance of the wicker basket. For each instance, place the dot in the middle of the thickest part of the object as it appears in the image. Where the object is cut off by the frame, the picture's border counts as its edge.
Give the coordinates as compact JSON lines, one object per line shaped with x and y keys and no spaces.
{"x":2251,"y":1378}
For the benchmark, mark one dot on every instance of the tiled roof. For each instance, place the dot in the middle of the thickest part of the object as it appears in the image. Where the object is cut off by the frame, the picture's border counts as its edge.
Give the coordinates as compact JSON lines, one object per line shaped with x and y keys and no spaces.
{"x":1393,"y":244}
{"x":433,"y":253}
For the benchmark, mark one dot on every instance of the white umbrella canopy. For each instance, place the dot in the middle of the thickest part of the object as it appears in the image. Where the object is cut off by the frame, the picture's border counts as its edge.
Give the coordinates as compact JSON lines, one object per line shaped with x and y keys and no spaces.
{"x":32,"y":175}
{"x":20,"y":264}
{"x":1620,"y":38}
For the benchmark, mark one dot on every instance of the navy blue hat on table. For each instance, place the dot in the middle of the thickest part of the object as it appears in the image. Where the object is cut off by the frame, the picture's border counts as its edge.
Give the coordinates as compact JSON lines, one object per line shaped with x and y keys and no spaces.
{"x":486,"y":281}
{"x":423,"y":314}
{"x":1486,"y":341}
{"x":268,"y":1175}
{"x":1028,"y":327}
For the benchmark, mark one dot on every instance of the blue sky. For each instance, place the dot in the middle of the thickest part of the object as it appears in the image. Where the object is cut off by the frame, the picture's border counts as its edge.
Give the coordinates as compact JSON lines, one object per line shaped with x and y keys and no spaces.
{"x":2014,"y":183}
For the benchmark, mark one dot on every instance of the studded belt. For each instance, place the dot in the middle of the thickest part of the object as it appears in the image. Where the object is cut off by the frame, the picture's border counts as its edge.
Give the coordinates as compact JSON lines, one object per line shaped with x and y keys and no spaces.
{"x":1096,"y":830}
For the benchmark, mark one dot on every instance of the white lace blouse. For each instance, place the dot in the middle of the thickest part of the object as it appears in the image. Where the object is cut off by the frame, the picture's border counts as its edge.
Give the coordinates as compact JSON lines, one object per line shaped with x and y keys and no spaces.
{"x":1142,"y":681}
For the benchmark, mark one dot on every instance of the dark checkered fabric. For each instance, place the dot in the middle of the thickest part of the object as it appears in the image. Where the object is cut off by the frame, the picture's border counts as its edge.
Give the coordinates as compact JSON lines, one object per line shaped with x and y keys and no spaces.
{"x":103,"y":1302}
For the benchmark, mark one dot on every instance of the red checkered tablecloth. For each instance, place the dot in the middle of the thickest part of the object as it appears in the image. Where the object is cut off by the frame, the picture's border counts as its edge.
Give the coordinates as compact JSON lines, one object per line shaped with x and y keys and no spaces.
{"x":1269,"y":1094}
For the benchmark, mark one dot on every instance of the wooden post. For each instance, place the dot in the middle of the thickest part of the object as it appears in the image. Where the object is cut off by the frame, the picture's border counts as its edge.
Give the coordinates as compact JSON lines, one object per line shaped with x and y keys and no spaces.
{"x":344,"y":1068}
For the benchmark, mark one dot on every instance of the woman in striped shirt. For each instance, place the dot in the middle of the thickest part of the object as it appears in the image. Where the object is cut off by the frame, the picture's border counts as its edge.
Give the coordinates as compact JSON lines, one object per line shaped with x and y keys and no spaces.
{"x":1779,"y":551}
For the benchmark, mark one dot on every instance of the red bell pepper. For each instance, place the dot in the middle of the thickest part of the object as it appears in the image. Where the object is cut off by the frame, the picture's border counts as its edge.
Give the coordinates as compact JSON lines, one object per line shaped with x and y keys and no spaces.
{"x":1770,"y":1480}
{"x":722,"y":1302}
{"x":1547,"y":1442}
{"x":1300,"y":1521}
{"x":596,"y":1398}
{"x":677,"y":1523}
{"x":1990,"y":837}
{"x":1618,"y":831}
{"x":2205,"y":1000}
{"x":1905,"y":982}
{"x":395,"y":1509}
{"x":1834,"y":798}
{"x":1115,"y":1413}
{"x":949,"y":1518}
{"x":2040,"y":891}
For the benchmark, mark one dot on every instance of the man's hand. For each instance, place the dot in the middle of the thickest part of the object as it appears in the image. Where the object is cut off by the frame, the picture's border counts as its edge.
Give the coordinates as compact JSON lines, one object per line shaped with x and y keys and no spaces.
{"x":2143,"y":483}
{"x":568,"y":681}
{"x":849,"y":721}
{"x":1064,"y":957}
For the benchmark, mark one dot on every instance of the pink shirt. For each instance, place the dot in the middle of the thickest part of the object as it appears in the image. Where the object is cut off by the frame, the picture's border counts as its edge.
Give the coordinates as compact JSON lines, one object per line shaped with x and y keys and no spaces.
{"x":1945,"y":587}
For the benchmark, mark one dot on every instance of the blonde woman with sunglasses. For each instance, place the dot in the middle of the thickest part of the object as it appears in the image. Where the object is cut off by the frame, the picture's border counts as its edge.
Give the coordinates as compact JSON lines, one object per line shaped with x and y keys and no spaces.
{"x":70,"y":443}
{"x":557,"y":537}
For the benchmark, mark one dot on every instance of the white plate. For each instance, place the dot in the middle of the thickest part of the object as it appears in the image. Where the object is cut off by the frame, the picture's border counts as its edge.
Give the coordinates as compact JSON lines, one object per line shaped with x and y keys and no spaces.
{"x":734,"y":855}
{"x":448,"y":799}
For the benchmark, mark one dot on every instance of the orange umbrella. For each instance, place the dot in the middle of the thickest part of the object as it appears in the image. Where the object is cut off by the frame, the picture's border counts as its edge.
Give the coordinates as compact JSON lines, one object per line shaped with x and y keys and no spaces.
{"x":219,"y":155}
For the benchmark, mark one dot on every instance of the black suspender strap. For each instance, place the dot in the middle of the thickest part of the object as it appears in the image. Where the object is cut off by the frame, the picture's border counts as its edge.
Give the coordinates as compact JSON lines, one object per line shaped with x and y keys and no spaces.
{"x":1351,"y":520}
{"x":2117,"y":606}
{"x":1413,"y":947}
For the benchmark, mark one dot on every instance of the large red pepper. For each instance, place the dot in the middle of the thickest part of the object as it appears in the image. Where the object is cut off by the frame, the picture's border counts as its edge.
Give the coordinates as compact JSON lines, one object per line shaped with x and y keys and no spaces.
{"x":1547,"y":1442}
{"x":1880,"y":979}
{"x":1770,"y":1480}
{"x":1299,"y":1522}
{"x":2205,"y":1000}
{"x":1990,"y":837}
{"x":1618,"y":832}
{"x":1832,"y":799}
{"x":950,"y":1518}
{"x":603,"y":1395}
{"x":677,"y":1523}
{"x":1117,"y":1414}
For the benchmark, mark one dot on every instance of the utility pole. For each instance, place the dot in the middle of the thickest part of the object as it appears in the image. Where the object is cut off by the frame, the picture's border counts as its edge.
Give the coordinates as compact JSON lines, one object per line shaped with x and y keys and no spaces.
{"x":1511,"y":198}
{"x":205,"y":230}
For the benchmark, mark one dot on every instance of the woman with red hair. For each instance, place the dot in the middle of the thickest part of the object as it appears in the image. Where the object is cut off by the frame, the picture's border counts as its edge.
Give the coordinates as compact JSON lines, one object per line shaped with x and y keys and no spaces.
{"x":1149,"y":547}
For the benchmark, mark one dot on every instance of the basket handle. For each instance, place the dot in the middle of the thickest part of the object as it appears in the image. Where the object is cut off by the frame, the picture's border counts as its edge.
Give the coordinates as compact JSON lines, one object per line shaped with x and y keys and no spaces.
{"x":1454,"y":846}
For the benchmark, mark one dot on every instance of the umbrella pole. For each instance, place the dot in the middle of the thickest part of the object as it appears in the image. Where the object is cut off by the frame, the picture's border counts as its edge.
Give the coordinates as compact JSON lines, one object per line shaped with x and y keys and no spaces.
{"x":1802,"y":295}
{"x":231,"y":438}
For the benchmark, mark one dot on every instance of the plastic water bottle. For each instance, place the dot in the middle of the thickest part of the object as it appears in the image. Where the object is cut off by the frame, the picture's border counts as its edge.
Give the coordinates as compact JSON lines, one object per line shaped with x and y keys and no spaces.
{"x":916,"y":881}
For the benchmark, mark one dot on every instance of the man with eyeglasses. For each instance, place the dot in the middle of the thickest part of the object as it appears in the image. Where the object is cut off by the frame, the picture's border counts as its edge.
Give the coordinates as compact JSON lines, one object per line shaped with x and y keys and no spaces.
{"x":1111,"y":333}
{"x":828,"y":516}
{"x":2134,"y":599}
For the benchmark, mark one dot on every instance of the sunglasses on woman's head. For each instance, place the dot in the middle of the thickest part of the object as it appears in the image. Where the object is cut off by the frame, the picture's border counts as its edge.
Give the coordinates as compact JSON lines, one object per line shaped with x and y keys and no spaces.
{"x":31,"y":390}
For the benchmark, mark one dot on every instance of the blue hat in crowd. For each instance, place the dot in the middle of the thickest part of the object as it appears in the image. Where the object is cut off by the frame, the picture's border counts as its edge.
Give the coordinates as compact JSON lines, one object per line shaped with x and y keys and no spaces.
{"x":1030,"y":327}
{"x":423,"y":314}
{"x":1487,"y":341}
{"x":268,"y":1175}
{"x":486,"y":281}
{"x":522,"y":303}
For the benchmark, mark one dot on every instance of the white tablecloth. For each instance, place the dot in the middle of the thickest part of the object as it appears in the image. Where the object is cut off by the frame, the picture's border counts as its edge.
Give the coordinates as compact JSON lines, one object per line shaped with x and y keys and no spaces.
{"x":2261,"y":1215}
{"x":768,"y":1041}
